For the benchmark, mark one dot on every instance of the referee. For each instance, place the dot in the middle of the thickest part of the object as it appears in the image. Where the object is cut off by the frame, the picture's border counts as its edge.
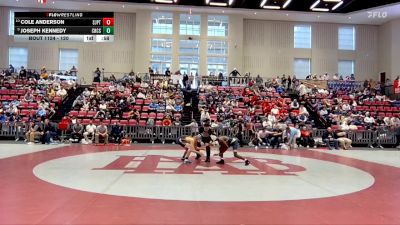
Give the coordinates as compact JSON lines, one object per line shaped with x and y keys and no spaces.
{"x":205,"y":133}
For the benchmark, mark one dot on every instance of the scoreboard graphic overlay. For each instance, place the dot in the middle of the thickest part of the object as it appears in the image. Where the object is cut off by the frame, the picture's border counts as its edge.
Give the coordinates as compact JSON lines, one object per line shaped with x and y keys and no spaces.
{"x":64,"y":26}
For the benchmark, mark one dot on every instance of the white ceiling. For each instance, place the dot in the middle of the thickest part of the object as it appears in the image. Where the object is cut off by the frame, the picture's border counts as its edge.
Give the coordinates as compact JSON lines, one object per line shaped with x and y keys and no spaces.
{"x":359,"y":17}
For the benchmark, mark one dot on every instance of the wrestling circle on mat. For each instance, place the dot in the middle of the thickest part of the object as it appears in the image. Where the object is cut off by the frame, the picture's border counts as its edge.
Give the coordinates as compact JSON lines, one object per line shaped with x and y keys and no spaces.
{"x":145,"y":185}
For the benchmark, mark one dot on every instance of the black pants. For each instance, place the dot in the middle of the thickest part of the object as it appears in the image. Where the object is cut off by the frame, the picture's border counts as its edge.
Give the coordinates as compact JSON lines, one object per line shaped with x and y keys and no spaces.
{"x":77,"y":136}
{"x":206,"y":140}
{"x":397,"y":140}
{"x":117,"y":138}
{"x":275,"y":142}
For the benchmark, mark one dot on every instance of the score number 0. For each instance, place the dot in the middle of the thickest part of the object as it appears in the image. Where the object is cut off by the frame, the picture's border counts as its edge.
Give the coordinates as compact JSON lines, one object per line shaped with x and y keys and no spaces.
{"x":108,"y":22}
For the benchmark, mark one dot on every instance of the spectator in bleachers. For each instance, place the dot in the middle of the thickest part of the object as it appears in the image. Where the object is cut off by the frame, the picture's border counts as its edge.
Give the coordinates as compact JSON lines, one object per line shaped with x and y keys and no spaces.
{"x":344,"y":142}
{"x":28,"y":97}
{"x":329,"y":137}
{"x":117,"y":133}
{"x":194,"y":126}
{"x":90,"y":130}
{"x":77,"y":132}
{"x":41,"y":112}
{"x":49,"y":132}
{"x":101,"y":132}
{"x":33,"y":131}
{"x":62,"y":92}
{"x":369,"y":121}
{"x":306,"y":139}
{"x":294,"y":104}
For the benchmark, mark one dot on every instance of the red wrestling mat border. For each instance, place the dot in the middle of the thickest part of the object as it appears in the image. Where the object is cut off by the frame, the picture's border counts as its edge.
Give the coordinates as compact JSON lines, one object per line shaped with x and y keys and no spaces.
{"x":26,"y":199}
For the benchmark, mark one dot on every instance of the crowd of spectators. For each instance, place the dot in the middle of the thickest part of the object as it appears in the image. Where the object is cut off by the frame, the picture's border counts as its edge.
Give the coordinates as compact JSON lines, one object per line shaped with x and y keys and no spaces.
{"x":130,"y":100}
{"x":264,"y":108}
{"x":29,"y":96}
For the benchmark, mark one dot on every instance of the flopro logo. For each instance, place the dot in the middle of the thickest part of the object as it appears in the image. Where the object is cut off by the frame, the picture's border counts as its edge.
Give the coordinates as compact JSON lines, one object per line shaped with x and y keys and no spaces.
{"x":377,"y":14}
{"x":160,"y":174}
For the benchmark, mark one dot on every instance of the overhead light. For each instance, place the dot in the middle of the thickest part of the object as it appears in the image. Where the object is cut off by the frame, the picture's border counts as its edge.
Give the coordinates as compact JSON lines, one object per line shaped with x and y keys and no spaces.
{"x":263,"y":3}
{"x":218,"y":4}
{"x":271,"y":7}
{"x":286,"y":3}
{"x":231,"y":2}
{"x":337,"y":5}
{"x":207,"y":2}
{"x":320,"y":9}
{"x":315,"y":4}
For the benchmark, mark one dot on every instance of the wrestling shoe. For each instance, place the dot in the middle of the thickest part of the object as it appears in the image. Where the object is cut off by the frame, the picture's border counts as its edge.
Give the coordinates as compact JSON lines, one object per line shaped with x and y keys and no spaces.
{"x":187,"y":161}
{"x":207,"y":160}
{"x":220,"y":162}
{"x":247,"y":162}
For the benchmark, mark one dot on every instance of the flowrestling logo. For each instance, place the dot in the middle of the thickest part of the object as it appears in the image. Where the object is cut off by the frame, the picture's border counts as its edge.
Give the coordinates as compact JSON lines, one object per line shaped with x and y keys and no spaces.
{"x":160,"y":174}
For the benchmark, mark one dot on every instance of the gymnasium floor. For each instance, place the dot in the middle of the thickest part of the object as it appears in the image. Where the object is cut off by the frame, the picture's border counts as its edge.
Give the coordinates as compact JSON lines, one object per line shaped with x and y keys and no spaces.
{"x":148,"y":184}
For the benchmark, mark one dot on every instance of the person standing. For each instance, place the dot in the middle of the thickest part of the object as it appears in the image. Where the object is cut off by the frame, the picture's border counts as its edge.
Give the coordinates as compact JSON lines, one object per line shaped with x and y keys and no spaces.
{"x":205,"y":137}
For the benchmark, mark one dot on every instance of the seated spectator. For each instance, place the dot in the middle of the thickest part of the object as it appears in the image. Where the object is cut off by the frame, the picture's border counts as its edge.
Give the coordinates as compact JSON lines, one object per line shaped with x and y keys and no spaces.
{"x":167,"y":121}
{"x":344,"y":142}
{"x":117,"y":133}
{"x":33,"y":131}
{"x":306,"y":139}
{"x":90,"y":130}
{"x":262,"y":138}
{"x":303,"y":111}
{"x":62,"y":92}
{"x":49,"y":132}
{"x":323,"y":112}
{"x":330,"y":139}
{"x":101,"y":132}
{"x":204,"y":116}
{"x":294,"y":104}
{"x":369,"y":121}
{"x":302,"y":118}
{"x":77,"y":132}
{"x":41,"y":112}
{"x":275,"y":110}
{"x":154,"y":106}
{"x":29,"y":97}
